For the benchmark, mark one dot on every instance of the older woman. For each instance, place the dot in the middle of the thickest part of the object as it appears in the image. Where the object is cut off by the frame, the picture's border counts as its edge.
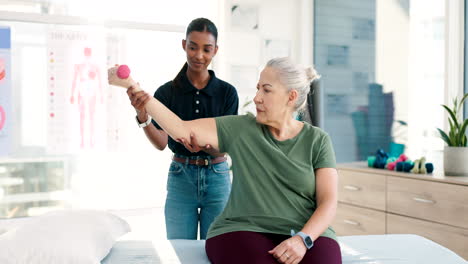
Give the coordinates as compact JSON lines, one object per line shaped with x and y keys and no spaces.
{"x":284,"y":191}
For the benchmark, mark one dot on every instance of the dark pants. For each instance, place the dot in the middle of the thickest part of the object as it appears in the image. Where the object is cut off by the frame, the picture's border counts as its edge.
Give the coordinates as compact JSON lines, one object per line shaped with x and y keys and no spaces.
{"x":252,"y":247}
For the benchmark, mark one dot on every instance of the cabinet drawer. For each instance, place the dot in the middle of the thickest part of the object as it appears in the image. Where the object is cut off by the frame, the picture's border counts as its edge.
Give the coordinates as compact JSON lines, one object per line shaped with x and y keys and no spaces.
{"x":438,"y":202}
{"x":363,"y":189}
{"x":454,"y":238}
{"x":352,"y":220}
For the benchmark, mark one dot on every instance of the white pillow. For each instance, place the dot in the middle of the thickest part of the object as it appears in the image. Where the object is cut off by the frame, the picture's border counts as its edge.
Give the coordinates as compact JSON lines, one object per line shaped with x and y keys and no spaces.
{"x":63,"y":237}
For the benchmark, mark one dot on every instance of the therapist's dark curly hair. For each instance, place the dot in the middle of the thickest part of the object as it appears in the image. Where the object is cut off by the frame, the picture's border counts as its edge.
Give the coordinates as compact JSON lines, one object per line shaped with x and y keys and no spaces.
{"x":200,"y":25}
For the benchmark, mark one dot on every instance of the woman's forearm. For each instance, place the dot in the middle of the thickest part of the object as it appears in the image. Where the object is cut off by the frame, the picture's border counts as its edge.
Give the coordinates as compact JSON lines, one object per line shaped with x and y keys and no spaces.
{"x":326,"y":185}
{"x":320,"y":220}
{"x":204,"y":129}
{"x":170,"y":122}
{"x":176,"y":128}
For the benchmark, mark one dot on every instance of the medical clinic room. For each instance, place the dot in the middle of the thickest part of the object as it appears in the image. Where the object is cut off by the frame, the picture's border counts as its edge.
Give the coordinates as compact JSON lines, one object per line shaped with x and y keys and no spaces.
{"x":233,"y":132}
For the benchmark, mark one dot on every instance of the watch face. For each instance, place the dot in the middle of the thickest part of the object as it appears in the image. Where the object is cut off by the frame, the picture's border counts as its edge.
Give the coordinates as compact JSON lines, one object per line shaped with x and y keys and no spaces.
{"x":308,"y":241}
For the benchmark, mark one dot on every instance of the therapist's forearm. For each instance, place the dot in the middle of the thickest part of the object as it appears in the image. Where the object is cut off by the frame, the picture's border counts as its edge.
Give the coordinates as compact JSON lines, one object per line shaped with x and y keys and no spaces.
{"x":170,"y":122}
{"x":175,"y":127}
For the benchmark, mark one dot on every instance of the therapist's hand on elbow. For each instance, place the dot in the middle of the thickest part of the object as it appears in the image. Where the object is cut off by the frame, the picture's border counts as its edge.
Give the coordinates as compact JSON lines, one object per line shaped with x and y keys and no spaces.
{"x":192,"y":144}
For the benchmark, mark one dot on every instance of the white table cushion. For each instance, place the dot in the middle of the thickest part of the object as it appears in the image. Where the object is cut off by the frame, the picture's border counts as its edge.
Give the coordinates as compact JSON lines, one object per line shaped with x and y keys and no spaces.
{"x":382,"y":249}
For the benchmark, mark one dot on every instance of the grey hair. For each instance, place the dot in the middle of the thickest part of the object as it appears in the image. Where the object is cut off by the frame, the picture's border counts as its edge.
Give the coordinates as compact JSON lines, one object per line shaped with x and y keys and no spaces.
{"x":294,"y":77}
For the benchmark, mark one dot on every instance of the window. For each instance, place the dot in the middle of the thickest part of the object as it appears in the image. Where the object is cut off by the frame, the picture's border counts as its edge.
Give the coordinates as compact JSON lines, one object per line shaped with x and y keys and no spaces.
{"x":382,"y":66}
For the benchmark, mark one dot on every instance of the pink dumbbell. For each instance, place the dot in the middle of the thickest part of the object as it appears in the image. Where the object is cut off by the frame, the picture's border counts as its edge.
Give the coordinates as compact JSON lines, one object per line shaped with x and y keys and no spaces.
{"x":123,"y":71}
{"x":120,"y":76}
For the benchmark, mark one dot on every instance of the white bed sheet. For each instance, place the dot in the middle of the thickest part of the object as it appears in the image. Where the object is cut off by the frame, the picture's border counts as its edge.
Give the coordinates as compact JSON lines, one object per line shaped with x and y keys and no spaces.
{"x":382,"y":249}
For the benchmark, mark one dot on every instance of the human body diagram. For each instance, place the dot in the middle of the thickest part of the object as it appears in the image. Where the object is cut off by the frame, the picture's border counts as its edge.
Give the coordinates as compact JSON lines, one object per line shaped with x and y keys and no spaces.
{"x":86,"y":88}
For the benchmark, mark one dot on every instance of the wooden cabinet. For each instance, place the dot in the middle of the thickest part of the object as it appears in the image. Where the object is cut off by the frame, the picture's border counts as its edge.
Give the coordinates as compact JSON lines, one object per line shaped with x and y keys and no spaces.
{"x":375,"y":201}
{"x":358,"y":221}
{"x":433,"y":201}
{"x":454,"y":238}
{"x":364,"y":189}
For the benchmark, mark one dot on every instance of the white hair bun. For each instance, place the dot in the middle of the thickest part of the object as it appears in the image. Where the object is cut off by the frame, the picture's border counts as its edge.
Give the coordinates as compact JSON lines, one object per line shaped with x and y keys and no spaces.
{"x":312,"y":74}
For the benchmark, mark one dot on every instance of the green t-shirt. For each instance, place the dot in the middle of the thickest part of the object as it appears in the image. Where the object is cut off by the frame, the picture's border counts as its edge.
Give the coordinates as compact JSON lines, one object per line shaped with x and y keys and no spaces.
{"x":273,"y":188}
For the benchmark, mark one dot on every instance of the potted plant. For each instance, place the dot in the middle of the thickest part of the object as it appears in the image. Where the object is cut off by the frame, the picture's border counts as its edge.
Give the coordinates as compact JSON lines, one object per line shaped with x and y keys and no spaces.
{"x":456,"y":151}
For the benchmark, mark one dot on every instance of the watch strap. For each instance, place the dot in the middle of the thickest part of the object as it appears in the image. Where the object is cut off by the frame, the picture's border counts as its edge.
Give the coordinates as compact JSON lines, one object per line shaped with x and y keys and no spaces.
{"x":144,"y":124}
{"x":308,"y":242}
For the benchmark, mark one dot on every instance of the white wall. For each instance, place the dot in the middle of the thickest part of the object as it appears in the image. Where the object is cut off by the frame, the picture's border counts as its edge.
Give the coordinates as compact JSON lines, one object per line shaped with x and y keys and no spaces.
{"x":288,"y":22}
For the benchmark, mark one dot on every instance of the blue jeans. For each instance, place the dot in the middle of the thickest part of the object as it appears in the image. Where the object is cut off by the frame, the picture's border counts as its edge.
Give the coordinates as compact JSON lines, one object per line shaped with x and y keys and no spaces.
{"x":192,"y":187}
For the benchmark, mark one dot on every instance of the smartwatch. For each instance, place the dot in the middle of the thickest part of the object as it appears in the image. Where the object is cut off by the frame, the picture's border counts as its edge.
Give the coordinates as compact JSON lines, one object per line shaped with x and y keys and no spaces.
{"x":145,"y":124}
{"x":308,"y":242}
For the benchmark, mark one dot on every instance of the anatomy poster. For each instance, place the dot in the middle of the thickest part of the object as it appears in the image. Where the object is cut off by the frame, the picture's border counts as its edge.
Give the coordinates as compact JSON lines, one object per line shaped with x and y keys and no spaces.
{"x":5,"y":91}
{"x":77,"y":84}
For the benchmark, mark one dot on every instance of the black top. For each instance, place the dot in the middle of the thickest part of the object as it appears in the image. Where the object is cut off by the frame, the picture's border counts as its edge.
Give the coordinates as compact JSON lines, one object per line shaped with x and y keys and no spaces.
{"x":218,"y":98}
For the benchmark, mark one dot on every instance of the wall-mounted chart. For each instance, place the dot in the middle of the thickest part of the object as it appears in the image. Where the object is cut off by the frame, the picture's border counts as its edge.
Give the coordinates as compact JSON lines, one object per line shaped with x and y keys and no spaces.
{"x":2,"y":69}
{"x":76,"y":90}
{"x":2,"y":117}
{"x":6,"y":137}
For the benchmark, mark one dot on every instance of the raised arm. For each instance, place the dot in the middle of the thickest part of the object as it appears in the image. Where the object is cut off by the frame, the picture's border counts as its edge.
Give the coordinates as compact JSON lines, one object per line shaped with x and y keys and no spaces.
{"x":204,"y":129}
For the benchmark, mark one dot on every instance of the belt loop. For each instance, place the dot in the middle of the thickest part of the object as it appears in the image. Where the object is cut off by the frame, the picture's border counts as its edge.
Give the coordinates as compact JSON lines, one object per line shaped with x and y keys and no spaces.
{"x":186,"y":161}
{"x":210,"y":165}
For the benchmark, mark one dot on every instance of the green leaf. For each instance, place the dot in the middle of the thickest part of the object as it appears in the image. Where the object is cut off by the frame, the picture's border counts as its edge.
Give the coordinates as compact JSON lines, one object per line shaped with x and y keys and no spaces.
{"x":452,"y":134}
{"x":246,"y":104}
{"x":452,"y":115}
{"x":444,"y":137}
{"x":401,"y":122}
{"x":456,"y":136}
{"x":462,"y":100}
{"x":461,"y":133}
